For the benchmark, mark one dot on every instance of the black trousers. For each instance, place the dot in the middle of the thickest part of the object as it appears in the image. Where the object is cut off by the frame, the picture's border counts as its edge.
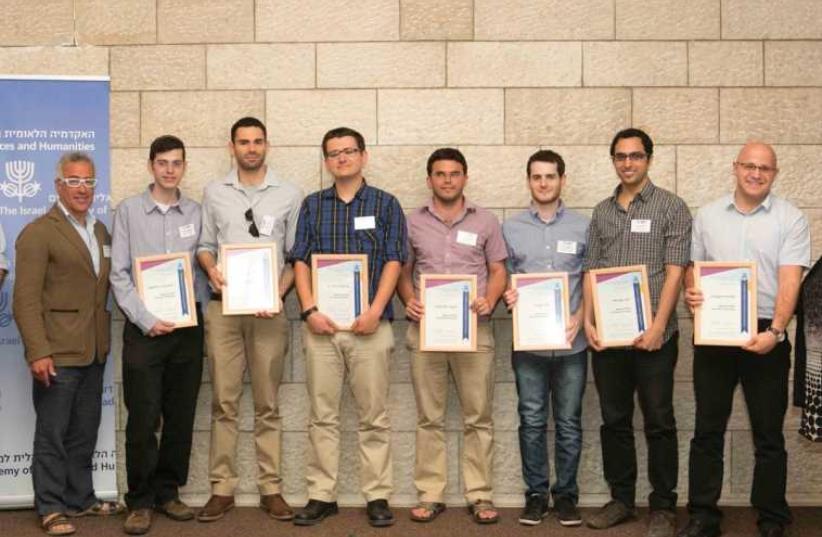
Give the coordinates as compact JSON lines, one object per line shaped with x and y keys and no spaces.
{"x":68,"y":417}
{"x":618,"y":374}
{"x":161,"y":380}
{"x":764,"y":379}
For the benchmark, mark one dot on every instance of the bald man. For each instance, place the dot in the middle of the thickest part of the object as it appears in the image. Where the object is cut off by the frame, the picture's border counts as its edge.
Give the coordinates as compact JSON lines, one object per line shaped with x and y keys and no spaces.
{"x":751,"y":224}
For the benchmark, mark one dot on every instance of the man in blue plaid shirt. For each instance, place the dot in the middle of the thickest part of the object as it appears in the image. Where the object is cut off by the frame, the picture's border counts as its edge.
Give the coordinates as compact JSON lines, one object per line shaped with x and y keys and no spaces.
{"x":350,"y":217}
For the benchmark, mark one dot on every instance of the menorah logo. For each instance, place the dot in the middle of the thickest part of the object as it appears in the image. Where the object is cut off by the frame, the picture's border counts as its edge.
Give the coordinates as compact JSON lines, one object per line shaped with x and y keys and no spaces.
{"x":20,"y":185}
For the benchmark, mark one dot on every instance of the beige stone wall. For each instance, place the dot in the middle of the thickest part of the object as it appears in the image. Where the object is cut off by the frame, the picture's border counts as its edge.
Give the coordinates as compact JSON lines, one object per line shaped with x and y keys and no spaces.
{"x":499,"y":79}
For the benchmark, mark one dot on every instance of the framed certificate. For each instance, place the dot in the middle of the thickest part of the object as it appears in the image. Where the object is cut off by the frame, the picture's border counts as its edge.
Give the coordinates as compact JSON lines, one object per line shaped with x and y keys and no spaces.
{"x":448,"y":324}
{"x":622,"y":304}
{"x":728,"y":314}
{"x":542,"y":311}
{"x":166,"y":287}
{"x":252,"y":283}
{"x":340,"y":286}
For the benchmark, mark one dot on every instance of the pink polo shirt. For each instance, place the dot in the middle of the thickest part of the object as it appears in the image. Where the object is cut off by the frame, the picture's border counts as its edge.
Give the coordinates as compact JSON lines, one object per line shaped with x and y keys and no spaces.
{"x":466,"y":246}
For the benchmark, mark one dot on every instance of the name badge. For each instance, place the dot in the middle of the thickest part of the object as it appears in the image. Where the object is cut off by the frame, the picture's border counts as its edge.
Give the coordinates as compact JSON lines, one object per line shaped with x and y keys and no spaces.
{"x":364,"y":222}
{"x":567,"y":247}
{"x":467,"y":238}
{"x":267,"y":225}
{"x":106,"y":251}
{"x":187,"y":231}
{"x":640,"y":226}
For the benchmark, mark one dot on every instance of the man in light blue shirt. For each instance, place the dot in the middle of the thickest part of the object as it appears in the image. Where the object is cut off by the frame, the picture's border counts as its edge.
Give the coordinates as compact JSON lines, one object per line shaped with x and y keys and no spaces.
{"x":751,"y":224}
{"x":548,"y":237}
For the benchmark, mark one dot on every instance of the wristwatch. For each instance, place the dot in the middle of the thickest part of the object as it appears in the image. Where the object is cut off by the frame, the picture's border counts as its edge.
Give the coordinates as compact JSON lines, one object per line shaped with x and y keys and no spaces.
{"x":307,"y":313}
{"x":780,"y":334}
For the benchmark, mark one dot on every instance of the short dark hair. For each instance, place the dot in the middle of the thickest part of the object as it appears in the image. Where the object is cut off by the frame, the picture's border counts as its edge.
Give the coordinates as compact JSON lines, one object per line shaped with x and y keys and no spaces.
{"x":446,"y":153}
{"x":546,"y":155}
{"x":248,"y":121}
{"x":647,"y":143}
{"x":342,"y":132}
{"x":165,"y":143}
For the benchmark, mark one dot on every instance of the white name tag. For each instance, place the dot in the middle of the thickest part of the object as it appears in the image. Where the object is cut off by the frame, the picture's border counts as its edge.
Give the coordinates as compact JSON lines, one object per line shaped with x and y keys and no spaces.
{"x":640,"y":226}
{"x":187,"y":231}
{"x":364,"y":222}
{"x":267,"y":225}
{"x":567,"y":247}
{"x":106,"y":251}
{"x":467,"y":238}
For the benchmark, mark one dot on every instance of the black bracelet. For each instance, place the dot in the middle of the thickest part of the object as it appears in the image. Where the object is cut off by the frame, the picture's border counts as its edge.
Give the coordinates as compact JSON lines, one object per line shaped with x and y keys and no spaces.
{"x":307,"y":313}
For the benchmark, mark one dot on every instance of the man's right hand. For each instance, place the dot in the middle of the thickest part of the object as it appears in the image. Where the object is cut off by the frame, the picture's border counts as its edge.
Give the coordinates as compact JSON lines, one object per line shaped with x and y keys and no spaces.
{"x":591,"y":335}
{"x":215,"y":278}
{"x":161,"y":328}
{"x":510,"y":296}
{"x":42,"y":370}
{"x":693,"y":298}
{"x":414,"y":310}
{"x":320,"y":324}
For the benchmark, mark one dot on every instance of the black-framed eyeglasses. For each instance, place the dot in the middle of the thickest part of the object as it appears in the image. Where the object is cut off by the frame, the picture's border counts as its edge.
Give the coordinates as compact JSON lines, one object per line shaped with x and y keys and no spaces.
{"x":252,"y":227}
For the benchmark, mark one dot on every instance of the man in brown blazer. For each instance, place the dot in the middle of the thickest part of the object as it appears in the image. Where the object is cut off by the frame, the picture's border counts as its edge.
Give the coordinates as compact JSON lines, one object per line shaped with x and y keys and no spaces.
{"x":60,"y":293}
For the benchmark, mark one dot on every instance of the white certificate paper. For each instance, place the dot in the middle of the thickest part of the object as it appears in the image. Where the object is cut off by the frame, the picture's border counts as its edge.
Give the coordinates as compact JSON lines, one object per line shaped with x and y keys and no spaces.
{"x":449,"y":324}
{"x":728,"y":314}
{"x":541,"y":313}
{"x":340,"y":285}
{"x":621,"y":304}
{"x":164,"y":283}
{"x":250,"y":272}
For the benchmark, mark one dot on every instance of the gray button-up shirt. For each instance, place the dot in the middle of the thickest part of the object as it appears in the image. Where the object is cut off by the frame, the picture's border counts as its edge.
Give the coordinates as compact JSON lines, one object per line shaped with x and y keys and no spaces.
{"x":141,"y":228}
{"x":275,"y":206}
{"x":87,"y":234}
{"x":654,"y":231}
{"x":538,"y":246}
{"x":774,"y":234}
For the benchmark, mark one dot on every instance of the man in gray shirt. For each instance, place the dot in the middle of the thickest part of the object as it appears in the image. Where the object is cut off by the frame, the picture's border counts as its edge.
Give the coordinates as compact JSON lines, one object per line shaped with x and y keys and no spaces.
{"x":549,"y":237}
{"x":251,"y":204}
{"x":162,"y":364}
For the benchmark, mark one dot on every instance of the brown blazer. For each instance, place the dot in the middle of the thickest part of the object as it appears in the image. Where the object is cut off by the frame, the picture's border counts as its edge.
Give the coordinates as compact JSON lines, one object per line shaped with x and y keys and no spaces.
{"x":59,"y":303}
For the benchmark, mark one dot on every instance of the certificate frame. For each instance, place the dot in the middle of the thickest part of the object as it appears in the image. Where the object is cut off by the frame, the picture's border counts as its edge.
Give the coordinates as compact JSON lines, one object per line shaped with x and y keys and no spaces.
{"x":471,"y":279}
{"x":146,"y":262}
{"x":317,"y":260}
{"x":226,"y":251}
{"x":751,"y":290}
{"x":604,"y":274}
{"x":516,"y":281}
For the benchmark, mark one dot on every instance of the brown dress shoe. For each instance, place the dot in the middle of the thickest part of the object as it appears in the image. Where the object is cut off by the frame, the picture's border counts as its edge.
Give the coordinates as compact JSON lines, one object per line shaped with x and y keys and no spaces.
{"x":176,"y":510}
{"x":137,"y":522}
{"x":216,"y":507}
{"x":276,"y":507}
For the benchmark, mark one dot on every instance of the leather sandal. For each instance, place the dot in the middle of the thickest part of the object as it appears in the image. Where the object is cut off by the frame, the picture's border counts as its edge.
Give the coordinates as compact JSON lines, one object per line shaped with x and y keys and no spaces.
{"x":480,"y":507}
{"x":432,"y":509}
{"x":57,"y":524}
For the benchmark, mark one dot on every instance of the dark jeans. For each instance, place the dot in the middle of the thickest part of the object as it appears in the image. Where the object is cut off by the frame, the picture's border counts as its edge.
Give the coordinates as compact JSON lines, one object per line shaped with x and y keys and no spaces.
{"x":618,"y":374}
{"x":764,"y":379}
{"x":68,"y":417}
{"x":560,"y":380}
{"x":161,"y":379}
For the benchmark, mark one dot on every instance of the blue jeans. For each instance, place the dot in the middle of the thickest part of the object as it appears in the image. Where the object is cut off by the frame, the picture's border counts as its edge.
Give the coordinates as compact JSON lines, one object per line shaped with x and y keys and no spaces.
{"x":562,"y":379}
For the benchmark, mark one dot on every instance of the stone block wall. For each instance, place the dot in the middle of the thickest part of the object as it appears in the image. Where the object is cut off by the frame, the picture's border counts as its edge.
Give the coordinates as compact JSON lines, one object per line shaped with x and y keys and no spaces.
{"x":497,"y":78}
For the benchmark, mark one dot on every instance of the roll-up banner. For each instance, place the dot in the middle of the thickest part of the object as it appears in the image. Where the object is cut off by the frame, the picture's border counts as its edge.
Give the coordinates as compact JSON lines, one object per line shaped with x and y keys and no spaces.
{"x":40,"y":119}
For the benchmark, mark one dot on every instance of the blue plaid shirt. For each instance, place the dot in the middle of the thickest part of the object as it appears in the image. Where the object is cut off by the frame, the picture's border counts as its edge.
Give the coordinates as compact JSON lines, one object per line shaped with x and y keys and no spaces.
{"x":326,"y":226}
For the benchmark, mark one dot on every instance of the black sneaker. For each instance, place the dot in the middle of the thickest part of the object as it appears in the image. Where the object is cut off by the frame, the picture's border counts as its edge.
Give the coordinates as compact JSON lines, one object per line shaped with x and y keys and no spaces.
{"x":536,"y":508}
{"x":567,"y":512}
{"x":697,"y":527}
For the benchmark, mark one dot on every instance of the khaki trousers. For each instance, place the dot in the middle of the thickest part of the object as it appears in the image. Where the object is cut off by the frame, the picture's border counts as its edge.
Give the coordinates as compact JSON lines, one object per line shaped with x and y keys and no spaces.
{"x":366,"y":360}
{"x":237,"y":343}
{"x":474,"y":378}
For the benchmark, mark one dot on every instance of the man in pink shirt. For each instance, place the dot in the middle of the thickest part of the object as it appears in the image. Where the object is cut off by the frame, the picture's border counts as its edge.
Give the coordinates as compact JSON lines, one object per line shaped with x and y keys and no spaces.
{"x":451,"y":235}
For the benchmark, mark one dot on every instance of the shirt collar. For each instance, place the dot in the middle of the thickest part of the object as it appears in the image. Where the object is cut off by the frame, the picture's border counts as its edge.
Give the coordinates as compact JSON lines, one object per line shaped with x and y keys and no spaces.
{"x":270,"y":179}
{"x":90,"y":220}
{"x":643,"y":195}
{"x":331,"y":192}
{"x":150,"y":204}
{"x":532,"y":209}
{"x":766,"y":204}
{"x":468,"y":207}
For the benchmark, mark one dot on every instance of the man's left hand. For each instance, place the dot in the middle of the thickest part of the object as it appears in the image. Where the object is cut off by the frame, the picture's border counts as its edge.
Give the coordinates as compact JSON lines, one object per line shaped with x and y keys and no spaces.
{"x":761,"y":343}
{"x":650,"y":340}
{"x":367,"y":323}
{"x":481,"y":306}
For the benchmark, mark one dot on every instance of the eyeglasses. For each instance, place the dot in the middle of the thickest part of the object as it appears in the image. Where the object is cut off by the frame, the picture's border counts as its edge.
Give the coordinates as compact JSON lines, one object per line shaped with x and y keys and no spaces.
{"x":75,"y":182}
{"x":348,"y":151}
{"x":633,"y":157}
{"x":252,"y":228}
{"x":750,"y":167}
